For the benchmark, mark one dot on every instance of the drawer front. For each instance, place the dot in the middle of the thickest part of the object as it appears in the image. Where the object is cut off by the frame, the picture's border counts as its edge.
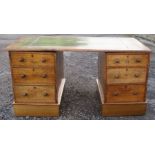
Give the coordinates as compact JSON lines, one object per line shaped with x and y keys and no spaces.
{"x":34,"y":94}
{"x":125,"y":93}
{"x":33,"y":76}
{"x":30,"y":59}
{"x":140,"y":60}
{"x":126,"y":75}
{"x":137,"y":60}
{"x":116,"y":60}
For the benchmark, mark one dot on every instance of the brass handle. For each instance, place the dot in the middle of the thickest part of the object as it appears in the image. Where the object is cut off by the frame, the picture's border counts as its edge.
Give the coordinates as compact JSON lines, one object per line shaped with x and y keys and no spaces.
{"x":44,"y":76}
{"x":22,"y":60}
{"x":25,"y":94}
{"x":137,"y":75}
{"x":117,"y":61}
{"x":135,"y":93}
{"x":23,"y":76}
{"x":138,"y":60}
{"x":115,"y":94}
{"x":43,"y":60}
{"x":45,"y":94}
{"x":117,"y":76}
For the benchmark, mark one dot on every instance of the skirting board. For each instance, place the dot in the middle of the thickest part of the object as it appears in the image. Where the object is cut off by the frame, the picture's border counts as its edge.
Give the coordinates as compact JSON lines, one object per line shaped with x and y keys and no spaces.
{"x":33,"y":109}
{"x":119,"y":109}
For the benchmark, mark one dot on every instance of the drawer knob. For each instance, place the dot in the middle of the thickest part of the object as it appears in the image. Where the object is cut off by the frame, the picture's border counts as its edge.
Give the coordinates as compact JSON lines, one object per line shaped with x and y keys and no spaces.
{"x":43,"y":60}
{"x":117,"y":76}
{"x":135,"y":93}
{"x":45,"y":94}
{"x":44,"y":76}
{"x":117,"y":61}
{"x":25,"y":94}
{"x":21,"y":59}
{"x":138,"y":60}
{"x":115,"y":94}
{"x":23,"y":76}
{"x":137,"y":75}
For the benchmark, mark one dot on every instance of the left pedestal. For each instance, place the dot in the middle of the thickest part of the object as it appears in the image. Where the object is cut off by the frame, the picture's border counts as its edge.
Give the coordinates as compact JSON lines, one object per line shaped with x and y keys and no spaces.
{"x":38,"y":82}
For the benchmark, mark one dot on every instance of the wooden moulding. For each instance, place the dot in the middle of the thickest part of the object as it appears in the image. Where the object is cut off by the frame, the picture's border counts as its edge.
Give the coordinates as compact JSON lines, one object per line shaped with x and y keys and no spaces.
{"x":124,"y":109}
{"x":34,"y":109}
{"x":119,"y":109}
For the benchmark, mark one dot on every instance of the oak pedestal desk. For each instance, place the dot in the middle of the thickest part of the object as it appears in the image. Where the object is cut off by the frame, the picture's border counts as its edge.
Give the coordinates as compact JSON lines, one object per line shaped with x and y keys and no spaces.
{"x":38,"y":78}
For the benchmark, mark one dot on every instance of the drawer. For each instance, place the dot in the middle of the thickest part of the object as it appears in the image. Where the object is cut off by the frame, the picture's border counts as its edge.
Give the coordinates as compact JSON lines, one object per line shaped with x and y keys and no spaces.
{"x":34,"y":94}
{"x":137,"y":60}
{"x":125,"y":93}
{"x":117,"y":60}
{"x":140,"y":60}
{"x":126,"y":75}
{"x":33,"y":76}
{"x":31,"y":59}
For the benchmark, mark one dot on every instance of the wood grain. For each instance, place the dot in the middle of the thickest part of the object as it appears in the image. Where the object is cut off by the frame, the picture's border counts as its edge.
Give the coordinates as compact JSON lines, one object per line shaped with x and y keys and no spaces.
{"x":127,"y":60}
{"x":38,"y":82}
{"x":123,"y":69}
{"x":126,"y":75}
{"x":117,"y":60}
{"x":35,"y":94}
{"x":122,"y":82}
{"x":31,"y":59}
{"x":34,"y":76}
{"x":41,"y":108}
{"x":125,"y":93}
{"x":124,"y":109}
{"x":36,"y":110}
{"x":139,"y":60}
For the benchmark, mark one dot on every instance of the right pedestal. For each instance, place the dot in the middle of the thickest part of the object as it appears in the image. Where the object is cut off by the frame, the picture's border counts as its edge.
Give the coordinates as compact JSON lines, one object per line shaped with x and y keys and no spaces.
{"x":122,"y":82}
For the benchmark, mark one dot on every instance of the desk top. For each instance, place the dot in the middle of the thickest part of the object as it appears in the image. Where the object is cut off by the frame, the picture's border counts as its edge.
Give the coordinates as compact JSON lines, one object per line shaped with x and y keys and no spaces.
{"x":70,"y":43}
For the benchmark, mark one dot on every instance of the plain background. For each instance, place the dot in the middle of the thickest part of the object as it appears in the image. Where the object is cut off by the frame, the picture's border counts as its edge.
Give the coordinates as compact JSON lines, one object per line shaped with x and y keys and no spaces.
{"x":77,"y":17}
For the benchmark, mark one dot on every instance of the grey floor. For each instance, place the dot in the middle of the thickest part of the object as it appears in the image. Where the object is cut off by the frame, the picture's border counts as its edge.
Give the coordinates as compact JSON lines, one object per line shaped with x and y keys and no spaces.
{"x":80,"y":98}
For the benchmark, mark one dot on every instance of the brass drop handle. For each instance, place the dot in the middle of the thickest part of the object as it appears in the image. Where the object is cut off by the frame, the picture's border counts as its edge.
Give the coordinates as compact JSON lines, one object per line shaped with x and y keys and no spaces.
{"x":44,"y":76}
{"x":138,"y":60}
{"x":43,"y":60}
{"x":117,"y":61}
{"x":117,"y":76}
{"x":135,"y":93}
{"x":45,"y":94}
{"x":23,"y":76}
{"x":115,"y":94}
{"x":25,"y":94}
{"x":21,"y":59}
{"x":137,"y":75}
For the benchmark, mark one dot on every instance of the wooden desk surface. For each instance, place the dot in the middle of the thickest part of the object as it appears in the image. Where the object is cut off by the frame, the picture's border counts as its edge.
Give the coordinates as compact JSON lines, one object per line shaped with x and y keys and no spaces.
{"x":66,"y":43}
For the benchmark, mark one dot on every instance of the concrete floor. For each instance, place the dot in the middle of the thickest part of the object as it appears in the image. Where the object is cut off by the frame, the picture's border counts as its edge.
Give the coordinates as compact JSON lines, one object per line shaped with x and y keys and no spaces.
{"x":80,"y":98}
